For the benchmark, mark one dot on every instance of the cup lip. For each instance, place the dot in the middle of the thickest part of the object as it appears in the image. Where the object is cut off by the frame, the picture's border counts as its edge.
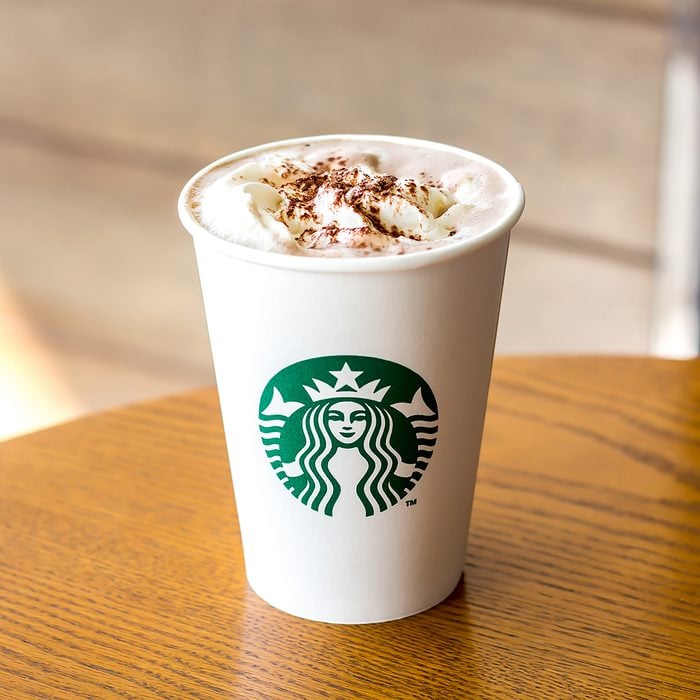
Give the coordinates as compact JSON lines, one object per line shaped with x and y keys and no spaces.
{"x":374,"y":263}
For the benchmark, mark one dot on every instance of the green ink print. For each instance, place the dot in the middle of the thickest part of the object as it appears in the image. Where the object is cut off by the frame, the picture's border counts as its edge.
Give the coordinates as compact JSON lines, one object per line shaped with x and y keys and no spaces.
{"x":383,"y":412}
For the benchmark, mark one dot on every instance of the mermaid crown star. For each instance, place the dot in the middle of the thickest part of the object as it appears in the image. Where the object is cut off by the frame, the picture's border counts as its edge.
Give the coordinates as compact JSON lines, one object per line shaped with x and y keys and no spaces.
{"x":346,"y":387}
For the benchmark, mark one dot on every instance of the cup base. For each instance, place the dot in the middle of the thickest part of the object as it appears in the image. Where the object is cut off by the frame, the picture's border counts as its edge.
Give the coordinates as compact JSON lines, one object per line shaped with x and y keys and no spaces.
{"x":341,"y":618}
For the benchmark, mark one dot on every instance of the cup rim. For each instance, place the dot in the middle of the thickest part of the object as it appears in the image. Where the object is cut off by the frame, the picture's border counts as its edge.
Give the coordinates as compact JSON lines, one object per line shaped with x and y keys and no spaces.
{"x":374,"y":263}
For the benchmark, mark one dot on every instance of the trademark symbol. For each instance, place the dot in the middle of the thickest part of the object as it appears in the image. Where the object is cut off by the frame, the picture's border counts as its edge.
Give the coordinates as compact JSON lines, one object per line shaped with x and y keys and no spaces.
{"x":411,"y":501}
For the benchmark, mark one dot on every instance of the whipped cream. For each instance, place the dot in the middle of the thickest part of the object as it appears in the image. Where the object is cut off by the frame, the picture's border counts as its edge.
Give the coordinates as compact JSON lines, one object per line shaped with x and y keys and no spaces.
{"x":349,"y":198}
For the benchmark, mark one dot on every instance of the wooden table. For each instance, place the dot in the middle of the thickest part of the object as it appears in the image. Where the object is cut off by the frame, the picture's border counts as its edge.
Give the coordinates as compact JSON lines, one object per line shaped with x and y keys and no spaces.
{"x":121,"y":571}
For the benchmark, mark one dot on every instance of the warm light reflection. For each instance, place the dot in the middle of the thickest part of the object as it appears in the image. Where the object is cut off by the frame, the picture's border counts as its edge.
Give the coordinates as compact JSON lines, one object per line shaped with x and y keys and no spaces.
{"x":32,"y":392}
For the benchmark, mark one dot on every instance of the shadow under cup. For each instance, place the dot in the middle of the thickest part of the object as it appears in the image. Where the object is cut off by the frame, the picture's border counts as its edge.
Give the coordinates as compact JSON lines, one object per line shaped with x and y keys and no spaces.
{"x":353,"y":393}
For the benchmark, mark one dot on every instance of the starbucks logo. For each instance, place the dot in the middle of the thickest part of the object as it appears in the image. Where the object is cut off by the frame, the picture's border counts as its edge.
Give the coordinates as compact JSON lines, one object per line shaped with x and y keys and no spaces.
{"x":348,"y":427}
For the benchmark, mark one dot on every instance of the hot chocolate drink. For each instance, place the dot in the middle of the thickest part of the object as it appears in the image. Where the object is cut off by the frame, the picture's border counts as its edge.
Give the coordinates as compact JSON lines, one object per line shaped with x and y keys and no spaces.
{"x":351,"y":286}
{"x":351,"y":196}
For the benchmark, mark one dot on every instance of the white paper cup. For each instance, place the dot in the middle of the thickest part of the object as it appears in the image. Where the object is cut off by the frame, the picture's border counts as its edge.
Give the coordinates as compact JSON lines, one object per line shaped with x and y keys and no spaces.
{"x":353,"y":393}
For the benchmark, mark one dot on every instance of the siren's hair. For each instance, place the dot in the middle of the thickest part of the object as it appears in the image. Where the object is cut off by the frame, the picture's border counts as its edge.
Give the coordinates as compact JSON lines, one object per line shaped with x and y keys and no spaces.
{"x":322,"y":490}
{"x":374,"y":489}
{"x":321,"y":487}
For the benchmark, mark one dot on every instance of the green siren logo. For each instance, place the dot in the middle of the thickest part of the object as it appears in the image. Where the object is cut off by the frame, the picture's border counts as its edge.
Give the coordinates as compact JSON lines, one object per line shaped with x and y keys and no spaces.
{"x":348,"y":427}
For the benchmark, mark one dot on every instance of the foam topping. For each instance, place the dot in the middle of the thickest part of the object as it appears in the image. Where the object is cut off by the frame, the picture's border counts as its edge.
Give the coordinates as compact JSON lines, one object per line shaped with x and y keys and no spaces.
{"x":339,"y":201}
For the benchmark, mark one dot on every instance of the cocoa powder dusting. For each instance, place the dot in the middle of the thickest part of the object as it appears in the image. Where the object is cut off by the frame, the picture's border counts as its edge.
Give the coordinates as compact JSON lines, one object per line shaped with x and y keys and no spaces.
{"x":349,"y":187}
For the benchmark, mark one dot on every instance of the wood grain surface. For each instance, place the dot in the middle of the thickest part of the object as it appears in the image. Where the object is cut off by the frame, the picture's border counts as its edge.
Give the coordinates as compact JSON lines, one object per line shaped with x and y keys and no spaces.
{"x":121,"y":571}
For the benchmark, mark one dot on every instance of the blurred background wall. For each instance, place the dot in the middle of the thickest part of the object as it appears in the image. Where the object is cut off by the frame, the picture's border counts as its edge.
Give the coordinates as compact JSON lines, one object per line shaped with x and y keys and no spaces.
{"x":109,"y":107}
